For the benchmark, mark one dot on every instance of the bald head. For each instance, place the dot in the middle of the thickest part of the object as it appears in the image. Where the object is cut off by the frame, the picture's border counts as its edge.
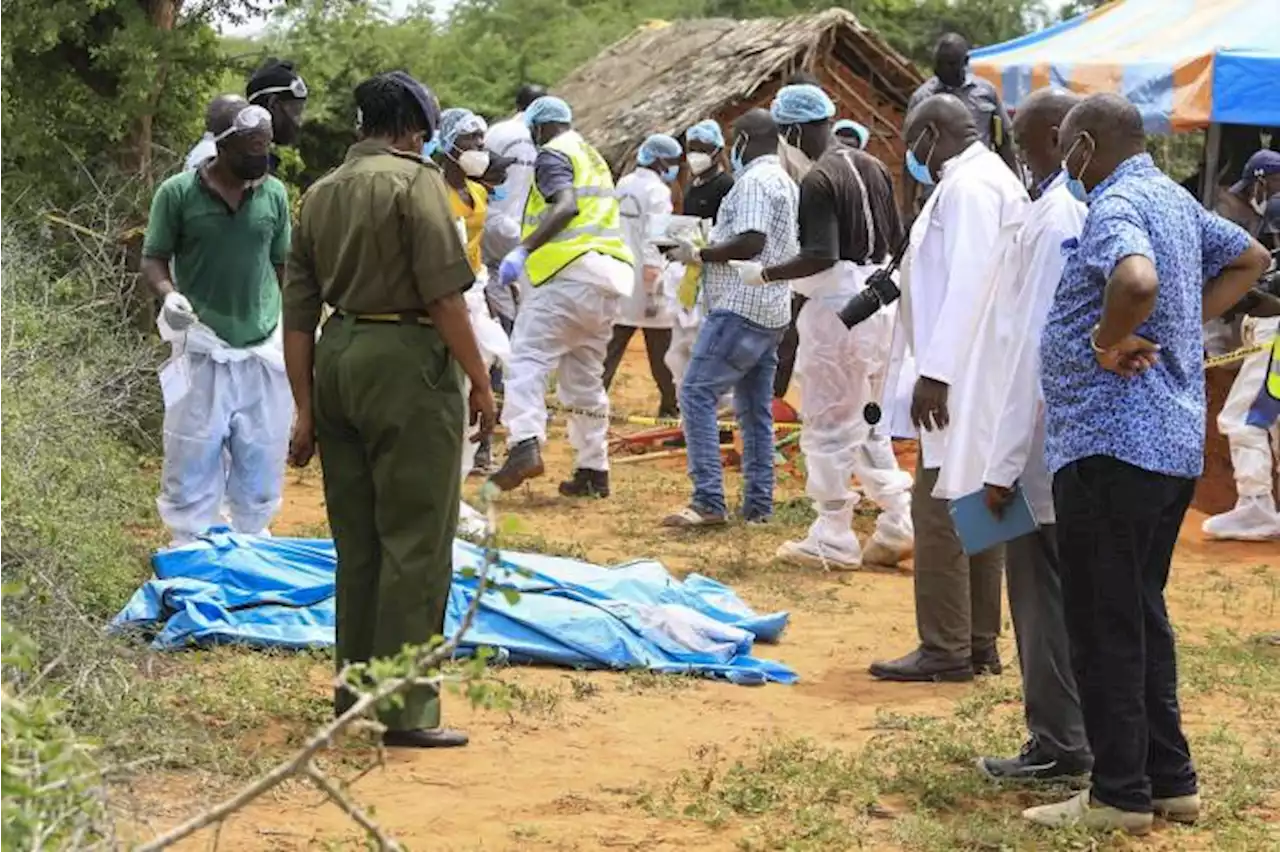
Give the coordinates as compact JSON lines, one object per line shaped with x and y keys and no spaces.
{"x":1100,"y":133}
{"x":951,"y":59}
{"x":222,"y":111}
{"x":1036,"y":129}
{"x":760,"y":132}
{"x":939,"y":128}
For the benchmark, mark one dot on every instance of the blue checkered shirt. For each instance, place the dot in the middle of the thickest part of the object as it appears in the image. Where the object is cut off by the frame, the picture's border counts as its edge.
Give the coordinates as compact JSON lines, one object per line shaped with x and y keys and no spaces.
{"x":766,"y":200}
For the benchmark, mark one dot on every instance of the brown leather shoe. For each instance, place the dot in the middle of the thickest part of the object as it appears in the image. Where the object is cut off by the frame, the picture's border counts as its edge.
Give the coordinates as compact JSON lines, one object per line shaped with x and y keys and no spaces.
{"x":920,"y":667}
{"x":425,"y":738}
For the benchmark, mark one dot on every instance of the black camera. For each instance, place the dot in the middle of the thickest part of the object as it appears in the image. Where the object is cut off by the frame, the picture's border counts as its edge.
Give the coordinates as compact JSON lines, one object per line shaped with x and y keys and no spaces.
{"x":880,"y":292}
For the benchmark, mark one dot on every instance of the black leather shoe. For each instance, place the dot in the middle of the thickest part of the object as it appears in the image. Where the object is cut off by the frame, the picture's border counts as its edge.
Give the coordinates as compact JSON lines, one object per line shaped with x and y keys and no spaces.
{"x":425,"y":738}
{"x":524,"y":461}
{"x":1035,"y":763}
{"x":586,"y":483}
{"x":986,"y":661}
{"x":919,"y":667}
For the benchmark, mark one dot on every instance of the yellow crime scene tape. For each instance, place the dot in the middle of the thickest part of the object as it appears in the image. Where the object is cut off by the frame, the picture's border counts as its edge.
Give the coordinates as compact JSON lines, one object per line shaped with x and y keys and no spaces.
{"x":1238,"y":355}
{"x":637,"y":420}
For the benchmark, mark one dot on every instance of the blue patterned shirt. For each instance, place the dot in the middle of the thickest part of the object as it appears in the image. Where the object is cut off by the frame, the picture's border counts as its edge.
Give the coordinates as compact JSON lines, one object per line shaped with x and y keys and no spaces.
{"x":1155,"y":420}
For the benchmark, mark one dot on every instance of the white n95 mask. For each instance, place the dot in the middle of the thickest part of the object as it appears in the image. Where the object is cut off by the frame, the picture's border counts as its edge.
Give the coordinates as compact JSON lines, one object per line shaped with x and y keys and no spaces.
{"x":699,"y":162}
{"x":474,"y":163}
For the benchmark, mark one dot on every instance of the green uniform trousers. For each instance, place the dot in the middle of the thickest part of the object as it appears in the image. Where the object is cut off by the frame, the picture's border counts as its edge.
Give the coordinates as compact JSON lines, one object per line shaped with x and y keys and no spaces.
{"x":389,"y":424}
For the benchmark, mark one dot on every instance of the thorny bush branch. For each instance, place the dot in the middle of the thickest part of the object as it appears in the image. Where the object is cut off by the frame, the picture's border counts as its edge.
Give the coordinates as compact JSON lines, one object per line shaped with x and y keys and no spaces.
{"x":301,"y":763}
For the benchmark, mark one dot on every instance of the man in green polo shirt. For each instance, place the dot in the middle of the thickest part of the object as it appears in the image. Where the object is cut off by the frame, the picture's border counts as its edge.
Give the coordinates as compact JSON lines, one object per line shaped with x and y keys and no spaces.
{"x":217,"y":241}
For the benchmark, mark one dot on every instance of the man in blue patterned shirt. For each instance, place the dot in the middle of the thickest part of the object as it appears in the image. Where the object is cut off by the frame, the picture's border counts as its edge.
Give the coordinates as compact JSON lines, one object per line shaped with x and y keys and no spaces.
{"x":747,"y":314}
{"x":1122,"y":370}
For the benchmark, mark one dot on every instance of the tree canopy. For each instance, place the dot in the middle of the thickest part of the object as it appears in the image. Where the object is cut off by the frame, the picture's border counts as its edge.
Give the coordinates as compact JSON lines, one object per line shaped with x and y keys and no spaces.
{"x":124,"y":82}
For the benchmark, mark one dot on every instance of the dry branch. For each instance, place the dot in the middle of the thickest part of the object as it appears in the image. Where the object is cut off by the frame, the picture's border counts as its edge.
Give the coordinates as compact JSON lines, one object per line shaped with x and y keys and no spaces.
{"x":301,"y":763}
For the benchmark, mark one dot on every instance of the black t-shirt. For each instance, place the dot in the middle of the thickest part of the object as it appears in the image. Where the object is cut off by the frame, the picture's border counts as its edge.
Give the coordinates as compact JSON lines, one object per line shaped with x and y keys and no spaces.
{"x":703,"y":199}
{"x":832,"y":222}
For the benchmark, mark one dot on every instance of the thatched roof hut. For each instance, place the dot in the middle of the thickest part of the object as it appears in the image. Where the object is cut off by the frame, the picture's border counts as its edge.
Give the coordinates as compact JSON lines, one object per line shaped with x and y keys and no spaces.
{"x":664,"y":77}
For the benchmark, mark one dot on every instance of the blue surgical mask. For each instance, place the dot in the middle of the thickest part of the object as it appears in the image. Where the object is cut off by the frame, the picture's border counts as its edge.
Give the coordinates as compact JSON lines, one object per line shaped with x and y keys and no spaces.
{"x":920,"y":171}
{"x":498,"y":193}
{"x":670,"y":173}
{"x":429,"y":147}
{"x":1075,"y":185}
{"x":735,"y":155}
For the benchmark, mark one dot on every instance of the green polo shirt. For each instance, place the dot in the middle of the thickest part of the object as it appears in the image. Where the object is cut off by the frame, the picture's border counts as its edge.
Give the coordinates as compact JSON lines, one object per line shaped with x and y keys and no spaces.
{"x":223,"y":259}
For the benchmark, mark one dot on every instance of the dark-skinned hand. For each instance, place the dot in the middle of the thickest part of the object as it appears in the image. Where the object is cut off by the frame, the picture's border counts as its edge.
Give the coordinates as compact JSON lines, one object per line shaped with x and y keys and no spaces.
{"x":929,"y":405}
{"x":997,"y":498}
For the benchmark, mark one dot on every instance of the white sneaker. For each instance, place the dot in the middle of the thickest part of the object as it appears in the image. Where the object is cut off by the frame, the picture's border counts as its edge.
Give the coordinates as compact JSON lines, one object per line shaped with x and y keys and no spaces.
{"x":1253,"y":519}
{"x":810,"y":554}
{"x":1081,"y":811}
{"x":1184,"y":809}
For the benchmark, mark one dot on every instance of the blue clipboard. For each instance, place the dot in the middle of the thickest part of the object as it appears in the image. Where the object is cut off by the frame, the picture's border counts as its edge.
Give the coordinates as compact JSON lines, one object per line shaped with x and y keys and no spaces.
{"x":980,"y":530}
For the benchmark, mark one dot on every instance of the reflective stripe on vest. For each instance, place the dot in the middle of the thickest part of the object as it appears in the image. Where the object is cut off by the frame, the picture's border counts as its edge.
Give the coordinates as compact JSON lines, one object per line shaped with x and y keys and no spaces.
{"x":597,"y":226}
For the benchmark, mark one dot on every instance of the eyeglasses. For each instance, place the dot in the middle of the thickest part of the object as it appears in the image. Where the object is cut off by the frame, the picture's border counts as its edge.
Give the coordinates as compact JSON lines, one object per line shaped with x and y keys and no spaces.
{"x":247,"y":120}
{"x":296,"y":87}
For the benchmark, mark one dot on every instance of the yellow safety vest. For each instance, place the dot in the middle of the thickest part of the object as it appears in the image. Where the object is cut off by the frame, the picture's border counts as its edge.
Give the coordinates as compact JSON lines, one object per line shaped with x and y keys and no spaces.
{"x":597,"y":226}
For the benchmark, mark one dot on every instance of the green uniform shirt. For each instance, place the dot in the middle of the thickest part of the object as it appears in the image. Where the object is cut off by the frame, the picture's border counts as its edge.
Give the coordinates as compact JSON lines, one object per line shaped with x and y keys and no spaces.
{"x":223,"y":260}
{"x":374,"y":236}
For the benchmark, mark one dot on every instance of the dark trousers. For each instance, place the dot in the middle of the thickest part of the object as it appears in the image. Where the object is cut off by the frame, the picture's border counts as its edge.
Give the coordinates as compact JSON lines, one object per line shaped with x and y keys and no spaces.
{"x":389,"y":416}
{"x":656,"y":343}
{"x":1044,"y":652}
{"x":1117,"y":527}
{"x":957,"y":596}
{"x":787,"y":350}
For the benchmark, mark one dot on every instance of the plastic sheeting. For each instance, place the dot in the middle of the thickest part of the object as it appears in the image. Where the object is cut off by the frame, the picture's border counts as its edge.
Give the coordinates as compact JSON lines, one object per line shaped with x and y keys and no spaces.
{"x":1184,"y":63}
{"x":279,"y":592}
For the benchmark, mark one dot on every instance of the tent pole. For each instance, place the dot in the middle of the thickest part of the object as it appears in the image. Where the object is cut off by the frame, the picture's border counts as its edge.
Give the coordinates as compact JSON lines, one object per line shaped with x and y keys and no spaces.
{"x":1212,"y":150}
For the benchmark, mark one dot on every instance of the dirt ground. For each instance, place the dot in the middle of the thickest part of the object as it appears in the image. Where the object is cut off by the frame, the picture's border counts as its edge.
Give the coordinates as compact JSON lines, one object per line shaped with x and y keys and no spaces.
{"x":566,"y":769}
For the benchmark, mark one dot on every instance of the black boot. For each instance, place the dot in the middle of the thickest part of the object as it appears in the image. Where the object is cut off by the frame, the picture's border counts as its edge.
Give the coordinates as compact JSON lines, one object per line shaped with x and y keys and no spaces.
{"x":586,"y":483}
{"x":986,"y":661}
{"x":524,"y":461}
{"x":483,"y":464}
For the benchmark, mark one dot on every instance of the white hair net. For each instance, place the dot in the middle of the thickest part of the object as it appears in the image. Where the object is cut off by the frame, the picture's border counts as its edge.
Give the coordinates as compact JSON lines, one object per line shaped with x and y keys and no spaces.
{"x":455,"y":122}
{"x":858,"y":130}
{"x":707,"y":132}
{"x":801,"y":104}
{"x":548,"y":109}
{"x":658,"y":146}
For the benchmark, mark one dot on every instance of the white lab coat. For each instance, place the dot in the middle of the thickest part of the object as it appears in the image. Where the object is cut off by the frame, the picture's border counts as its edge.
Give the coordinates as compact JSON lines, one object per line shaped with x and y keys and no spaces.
{"x":948,"y":272}
{"x":642,"y":196}
{"x":999,"y":438}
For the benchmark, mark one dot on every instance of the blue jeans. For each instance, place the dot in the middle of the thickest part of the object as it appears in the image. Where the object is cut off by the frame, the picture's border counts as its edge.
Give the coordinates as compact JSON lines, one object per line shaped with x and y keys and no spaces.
{"x":731,"y":352}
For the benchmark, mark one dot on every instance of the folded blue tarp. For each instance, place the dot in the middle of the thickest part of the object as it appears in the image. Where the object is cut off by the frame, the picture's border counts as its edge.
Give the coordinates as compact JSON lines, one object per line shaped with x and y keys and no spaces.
{"x":279,"y":593}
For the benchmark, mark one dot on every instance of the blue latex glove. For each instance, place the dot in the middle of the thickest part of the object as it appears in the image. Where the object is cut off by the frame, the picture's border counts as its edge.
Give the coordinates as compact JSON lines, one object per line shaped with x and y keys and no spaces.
{"x":512,"y":265}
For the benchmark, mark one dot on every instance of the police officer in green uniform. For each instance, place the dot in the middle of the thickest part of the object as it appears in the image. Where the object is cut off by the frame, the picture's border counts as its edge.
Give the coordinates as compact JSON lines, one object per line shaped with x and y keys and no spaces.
{"x":381,"y":393}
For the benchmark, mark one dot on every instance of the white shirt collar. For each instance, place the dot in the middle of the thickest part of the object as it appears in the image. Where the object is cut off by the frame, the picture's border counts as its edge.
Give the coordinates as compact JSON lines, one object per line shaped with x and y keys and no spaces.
{"x":974,"y":151}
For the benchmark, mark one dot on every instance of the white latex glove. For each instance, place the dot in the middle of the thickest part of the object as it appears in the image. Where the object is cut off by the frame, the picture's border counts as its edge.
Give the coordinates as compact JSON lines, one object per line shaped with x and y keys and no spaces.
{"x":684,"y":252}
{"x":752,"y":273}
{"x":177,"y":311}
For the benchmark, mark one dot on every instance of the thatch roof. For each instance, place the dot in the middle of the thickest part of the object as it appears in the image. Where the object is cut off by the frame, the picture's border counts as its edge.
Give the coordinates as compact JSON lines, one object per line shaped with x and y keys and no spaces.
{"x":663,"y":77}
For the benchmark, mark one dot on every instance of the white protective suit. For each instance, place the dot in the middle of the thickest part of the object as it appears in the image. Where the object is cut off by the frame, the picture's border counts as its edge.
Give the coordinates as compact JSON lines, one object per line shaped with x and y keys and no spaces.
{"x":1001,"y":438}
{"x":841,"y":370}
{"x":642,"y":196}
{"x":494,"y":346}
{"x":222,"y":401}
{"x":509,"y":138}
{"x":1254,"y":517}
{"x":564,"y":326}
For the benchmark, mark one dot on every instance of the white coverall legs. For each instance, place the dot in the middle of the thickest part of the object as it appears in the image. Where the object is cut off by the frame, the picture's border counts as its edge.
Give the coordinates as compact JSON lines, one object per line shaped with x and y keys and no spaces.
{"x":1254,"y":517}
{"x":562,"y":326}
{"x":840,"y":371}
{"x":494,"y":348}
{"x":221,"y":401}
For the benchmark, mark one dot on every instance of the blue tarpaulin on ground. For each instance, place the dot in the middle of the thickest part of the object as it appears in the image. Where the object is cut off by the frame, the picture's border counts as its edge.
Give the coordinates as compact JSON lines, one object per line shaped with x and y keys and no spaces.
{"x":279,"y":593}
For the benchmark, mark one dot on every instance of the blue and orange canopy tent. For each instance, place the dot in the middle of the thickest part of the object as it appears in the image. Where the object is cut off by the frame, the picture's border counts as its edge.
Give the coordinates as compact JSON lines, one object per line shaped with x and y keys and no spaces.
{"x":1186,"y":64}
